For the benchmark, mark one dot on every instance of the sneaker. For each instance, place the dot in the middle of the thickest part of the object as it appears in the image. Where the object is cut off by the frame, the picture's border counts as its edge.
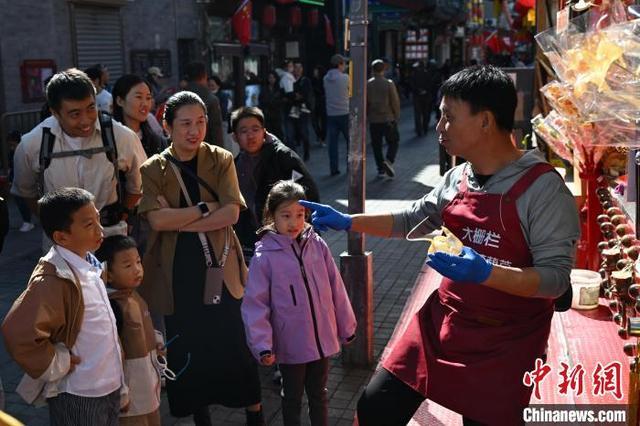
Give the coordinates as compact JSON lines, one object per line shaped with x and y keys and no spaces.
{"x":27,"y":226}
{"x":304,"y":109}
{"x":388,"y":169}
{"x":381,"y":175}
{"x":295,"y":112}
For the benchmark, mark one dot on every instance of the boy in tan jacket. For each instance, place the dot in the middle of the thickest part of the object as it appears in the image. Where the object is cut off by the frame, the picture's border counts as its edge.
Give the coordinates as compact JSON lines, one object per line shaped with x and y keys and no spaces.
{"x":61,"y":330}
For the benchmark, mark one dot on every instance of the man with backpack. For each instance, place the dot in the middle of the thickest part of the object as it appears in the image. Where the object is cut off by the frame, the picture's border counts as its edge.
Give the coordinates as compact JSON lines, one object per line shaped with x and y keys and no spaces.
{"x":79,"y":147}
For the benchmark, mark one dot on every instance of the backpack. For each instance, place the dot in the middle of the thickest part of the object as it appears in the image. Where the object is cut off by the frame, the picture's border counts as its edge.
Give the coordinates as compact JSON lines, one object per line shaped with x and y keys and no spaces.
{"x":108,"y":147}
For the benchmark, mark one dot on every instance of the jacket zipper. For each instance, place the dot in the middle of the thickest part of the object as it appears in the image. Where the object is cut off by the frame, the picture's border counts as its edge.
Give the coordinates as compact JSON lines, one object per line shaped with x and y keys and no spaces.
{"x":313,"y":311}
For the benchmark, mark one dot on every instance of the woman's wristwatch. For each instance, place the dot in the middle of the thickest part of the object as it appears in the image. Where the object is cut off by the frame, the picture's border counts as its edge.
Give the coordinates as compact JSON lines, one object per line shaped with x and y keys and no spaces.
{"x":204,"y":209}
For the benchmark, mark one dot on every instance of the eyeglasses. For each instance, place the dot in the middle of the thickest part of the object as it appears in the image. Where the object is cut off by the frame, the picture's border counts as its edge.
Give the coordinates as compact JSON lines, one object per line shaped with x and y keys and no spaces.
{"x":244,"y":131}
{"x":163,"y":363}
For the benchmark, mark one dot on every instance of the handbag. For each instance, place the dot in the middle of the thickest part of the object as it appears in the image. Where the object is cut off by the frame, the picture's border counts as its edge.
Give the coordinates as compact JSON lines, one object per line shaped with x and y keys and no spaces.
{"x":214,"y":276}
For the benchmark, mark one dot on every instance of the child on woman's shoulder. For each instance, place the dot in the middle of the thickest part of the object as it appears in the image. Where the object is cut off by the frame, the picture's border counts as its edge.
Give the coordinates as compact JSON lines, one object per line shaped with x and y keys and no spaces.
{"x":295,"y":309}
{"x":139,"y":339}
{"x":60,"y":330}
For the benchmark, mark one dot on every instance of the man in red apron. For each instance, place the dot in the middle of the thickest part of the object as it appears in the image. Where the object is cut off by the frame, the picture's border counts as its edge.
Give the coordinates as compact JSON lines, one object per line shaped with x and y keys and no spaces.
{"x":471,"y":343}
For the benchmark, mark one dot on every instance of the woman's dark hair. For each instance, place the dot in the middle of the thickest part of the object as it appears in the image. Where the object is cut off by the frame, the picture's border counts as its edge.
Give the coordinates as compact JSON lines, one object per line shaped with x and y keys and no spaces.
{"x":113,"y":245}
{"x":217,"y":80}
{"x":177,"y":101}
{"x":281,"y":192}
{"x":246,"y":112}
{"x":57,"y":208}
{"x":70,"y":84}
{"x":485,"y":88}
{"x":121,"y":89}
{"x":151,"y":142}
{"x":273,"y":73}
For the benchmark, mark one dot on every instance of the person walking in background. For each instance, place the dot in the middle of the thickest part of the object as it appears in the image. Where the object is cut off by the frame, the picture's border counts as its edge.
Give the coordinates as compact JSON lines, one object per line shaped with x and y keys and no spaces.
{"x":271,"y":103}
{"x":194,"y":269}
{"x":132,"y":103}
{"x":296,"y":310}
{"x":153,"y":76}
{"x":319,"y":112}
{"x":383,"y":112}
{"x":104,"y":99}
{"x":301,"y":100}
{"x":13,"y":139}
{"x":197,"y":83}
{"x":285,"y":74}
{"x":215,"y":85}
{"x":336,"y":89}
{"x":421,"y":98}
{"x":263,"y":160}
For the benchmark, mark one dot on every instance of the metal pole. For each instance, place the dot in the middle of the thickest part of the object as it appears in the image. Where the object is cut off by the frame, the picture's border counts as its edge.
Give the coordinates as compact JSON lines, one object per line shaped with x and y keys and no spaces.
{"x":356,"y":265}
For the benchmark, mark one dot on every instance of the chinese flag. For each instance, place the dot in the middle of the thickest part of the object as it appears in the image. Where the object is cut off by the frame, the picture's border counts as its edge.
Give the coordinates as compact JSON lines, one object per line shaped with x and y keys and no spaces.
{"x":241,"y":22}
{"x":328,"y":32}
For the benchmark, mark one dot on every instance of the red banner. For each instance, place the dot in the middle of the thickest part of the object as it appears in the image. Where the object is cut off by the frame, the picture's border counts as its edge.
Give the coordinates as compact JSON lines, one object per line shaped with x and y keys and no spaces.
{"x":241,"y":22}
{"x":328,"y":31}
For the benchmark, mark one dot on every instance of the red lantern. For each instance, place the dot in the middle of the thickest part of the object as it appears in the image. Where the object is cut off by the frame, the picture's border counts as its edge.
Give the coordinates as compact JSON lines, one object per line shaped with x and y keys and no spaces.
{"x":295,"y":17}
{"x":313,"y":18}
{"x":269,"y":16}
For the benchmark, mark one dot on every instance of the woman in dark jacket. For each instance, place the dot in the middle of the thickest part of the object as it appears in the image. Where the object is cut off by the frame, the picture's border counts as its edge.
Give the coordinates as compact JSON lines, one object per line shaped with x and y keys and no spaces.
{"x":271,"y":104}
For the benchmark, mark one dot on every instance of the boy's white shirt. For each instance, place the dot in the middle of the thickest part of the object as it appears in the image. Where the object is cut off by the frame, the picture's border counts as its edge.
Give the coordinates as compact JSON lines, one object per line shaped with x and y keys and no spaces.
{"x":55,"y":379}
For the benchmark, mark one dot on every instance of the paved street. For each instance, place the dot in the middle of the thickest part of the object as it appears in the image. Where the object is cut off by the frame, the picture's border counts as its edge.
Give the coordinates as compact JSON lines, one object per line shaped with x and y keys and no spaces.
{"x":396,"y":265}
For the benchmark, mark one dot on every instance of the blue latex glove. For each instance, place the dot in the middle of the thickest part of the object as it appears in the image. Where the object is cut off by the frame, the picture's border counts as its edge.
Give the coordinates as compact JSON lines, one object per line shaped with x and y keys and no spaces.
{"x":468,"y":267}
{"x":324,"y":217}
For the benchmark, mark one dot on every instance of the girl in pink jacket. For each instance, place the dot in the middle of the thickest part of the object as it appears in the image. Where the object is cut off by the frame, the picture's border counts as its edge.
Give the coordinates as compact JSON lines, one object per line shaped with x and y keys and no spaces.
{"x":295,"y":309}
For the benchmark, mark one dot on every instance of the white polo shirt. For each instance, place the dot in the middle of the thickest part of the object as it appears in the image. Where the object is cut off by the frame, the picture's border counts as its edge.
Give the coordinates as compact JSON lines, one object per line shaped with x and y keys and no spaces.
{"x":100,"y":370}
{"x":94,"y":174}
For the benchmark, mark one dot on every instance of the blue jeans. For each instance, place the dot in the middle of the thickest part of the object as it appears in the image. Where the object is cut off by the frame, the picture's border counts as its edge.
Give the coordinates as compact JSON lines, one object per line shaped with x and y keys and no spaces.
{"x":336,"y":124}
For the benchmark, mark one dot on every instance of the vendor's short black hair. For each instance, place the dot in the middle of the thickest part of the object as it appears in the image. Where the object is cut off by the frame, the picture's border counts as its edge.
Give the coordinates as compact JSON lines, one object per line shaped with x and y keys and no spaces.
{"x":70,"y":84}
{"x":113,"y":245}
{"x":485,"y":88}
{"x":57,"y":208}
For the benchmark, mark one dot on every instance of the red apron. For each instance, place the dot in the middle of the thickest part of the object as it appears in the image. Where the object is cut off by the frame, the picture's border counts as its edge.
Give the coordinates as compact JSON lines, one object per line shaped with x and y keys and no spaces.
{"x":469,"y":345}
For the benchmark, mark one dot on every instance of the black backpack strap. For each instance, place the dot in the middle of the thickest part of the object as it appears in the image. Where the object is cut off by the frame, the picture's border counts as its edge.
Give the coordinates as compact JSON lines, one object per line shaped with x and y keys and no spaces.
{"x":111,"y":150}
{"x":190,"y":172}
{"x":46,"y":150}
{"x":108,"y":139}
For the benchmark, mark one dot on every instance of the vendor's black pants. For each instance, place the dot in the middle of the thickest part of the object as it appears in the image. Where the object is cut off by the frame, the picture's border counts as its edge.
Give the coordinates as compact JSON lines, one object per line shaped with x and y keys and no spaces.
{"x":387,"y":401}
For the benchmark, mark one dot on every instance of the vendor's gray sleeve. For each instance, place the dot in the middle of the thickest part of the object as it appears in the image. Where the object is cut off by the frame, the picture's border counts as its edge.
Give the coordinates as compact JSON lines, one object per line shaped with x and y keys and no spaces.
{"x":549,"y":218}
{"x":428,"y":206}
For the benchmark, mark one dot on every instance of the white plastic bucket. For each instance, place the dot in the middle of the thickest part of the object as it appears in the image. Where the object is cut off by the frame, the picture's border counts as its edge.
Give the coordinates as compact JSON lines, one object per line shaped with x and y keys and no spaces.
{"x":586,"y":288}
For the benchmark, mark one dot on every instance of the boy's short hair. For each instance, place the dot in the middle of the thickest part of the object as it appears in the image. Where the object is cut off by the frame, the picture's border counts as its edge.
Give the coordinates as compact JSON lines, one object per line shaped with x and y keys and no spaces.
{"x":246,"y":112}
{"x":70,"y":84}
{"x":485,"y":88}
{"x":57,"y":208}
{"x":112,"y":245}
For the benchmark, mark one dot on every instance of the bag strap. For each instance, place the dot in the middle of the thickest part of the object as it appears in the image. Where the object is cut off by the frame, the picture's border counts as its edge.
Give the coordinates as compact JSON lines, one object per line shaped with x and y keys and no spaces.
{"x":178,"y":164}
{"x":206,"y":249}
{"x":111,"y":149}
{"x":46,"y":148}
